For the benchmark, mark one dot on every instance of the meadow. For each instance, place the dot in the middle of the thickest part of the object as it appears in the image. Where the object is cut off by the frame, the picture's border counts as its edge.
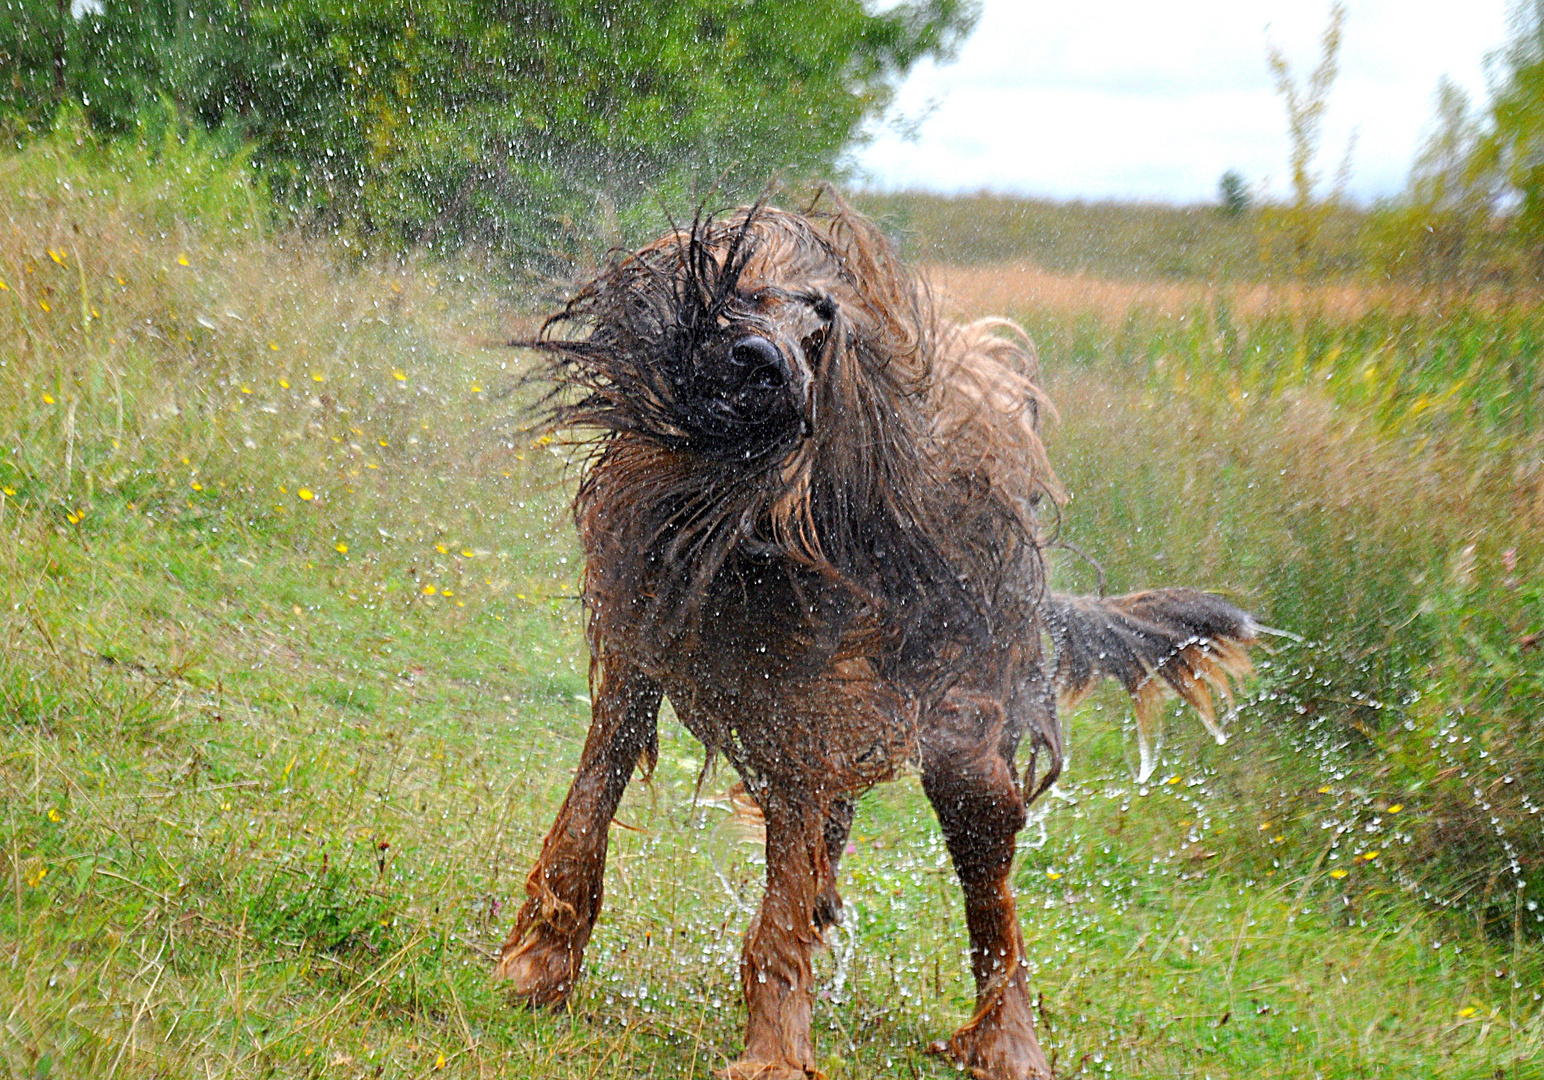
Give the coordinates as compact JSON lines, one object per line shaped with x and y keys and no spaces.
{"x":292,"y":679}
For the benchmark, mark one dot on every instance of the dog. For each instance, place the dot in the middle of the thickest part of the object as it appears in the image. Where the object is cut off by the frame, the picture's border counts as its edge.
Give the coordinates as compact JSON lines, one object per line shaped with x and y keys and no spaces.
{"x":810,"y":517}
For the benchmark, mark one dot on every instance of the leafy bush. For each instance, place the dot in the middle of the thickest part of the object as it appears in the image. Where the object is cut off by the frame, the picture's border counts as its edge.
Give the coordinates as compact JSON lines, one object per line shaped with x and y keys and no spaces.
{"x":539,"y":127}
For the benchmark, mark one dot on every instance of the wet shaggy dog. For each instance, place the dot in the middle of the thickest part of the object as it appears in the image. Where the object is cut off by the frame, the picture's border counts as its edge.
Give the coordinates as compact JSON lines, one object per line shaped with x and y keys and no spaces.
{"x":810,"y":518}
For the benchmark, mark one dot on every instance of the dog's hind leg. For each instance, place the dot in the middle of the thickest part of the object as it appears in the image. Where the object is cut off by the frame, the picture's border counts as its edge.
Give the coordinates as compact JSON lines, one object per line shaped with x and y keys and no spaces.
{"x":563,"y":891}
{"x":775,"y":968}
{"x":970,"y":782}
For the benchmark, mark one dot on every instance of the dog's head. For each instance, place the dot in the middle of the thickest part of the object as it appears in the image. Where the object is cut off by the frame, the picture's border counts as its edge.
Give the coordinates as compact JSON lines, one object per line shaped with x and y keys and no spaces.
{"x":728,"y":340}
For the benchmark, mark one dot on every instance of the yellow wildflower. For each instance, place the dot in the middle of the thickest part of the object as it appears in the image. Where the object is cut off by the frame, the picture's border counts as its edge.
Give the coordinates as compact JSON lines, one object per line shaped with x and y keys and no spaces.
{"x":74,"y":516}
{"x":439,"y":1062}
{"x":1369,"y":855}
{"x":1325,"y":790}
{"x":340,"y":547}
{"x":283,"y":383}
{"x":399,"y":376}
{"x":430,"y":590}
{"x":446,"y":592}
{"x":246,"y":389}
{"x":476,"y":389}
{"x":274,"y":345}
{"x":1052,"y":874}
{"x":1337,"y":874}
{"x":182,"y":260}
{"x":197,"y":486}
{"x":35,"y":878}
{"x":1264,"y":826}
{"x":467,"y":553}
{"x":4,"y":287}
{"x":441,"y":549}
{"x":1396,"y":808}
{"x":8,"y":490}
{"x":316,"y":376}
{"x":54,"y":814}
{"x":44,"y":305}
{"x":305,"y":494}
{"x":57,"y":256}
{"x":1172,"y":780}
{"x":1467,"y":1011}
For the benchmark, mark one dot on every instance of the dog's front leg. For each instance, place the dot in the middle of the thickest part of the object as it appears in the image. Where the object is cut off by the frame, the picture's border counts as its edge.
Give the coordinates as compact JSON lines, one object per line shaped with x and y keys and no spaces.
{"x":563,"y":890}
{"x":775,"y":969}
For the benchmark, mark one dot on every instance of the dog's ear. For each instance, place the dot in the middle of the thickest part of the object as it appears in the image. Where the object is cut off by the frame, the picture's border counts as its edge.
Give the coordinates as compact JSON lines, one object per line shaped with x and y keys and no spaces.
{"x":1180,"y":641}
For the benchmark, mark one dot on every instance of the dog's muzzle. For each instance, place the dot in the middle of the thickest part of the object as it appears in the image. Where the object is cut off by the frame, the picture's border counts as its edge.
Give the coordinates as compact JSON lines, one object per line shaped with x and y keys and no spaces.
{"x":766,"y":369}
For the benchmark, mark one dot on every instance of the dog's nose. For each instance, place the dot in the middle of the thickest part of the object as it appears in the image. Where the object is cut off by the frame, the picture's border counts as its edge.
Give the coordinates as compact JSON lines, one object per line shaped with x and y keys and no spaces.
{"x":760,"y":362}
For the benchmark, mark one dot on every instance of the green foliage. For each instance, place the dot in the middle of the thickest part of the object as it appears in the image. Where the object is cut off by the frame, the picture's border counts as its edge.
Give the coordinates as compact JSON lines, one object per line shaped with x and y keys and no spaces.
{"x":516,"y":125}
{"x":1443,"y":233}
{"x":1233,"y":193}
{"x":1517,"y":127}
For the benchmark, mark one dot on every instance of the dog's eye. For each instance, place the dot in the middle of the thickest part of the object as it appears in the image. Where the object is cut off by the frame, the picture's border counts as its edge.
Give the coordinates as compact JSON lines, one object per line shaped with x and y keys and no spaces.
{"x":813,"y":344}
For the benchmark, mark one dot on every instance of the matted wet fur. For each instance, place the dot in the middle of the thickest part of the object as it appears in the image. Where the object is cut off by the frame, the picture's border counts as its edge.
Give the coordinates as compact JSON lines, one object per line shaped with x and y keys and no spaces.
{"x":809,"y":517}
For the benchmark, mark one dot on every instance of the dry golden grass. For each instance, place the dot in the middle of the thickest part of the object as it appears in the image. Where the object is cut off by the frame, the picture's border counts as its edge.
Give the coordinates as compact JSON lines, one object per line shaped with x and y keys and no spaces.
{"x":996,"y":288}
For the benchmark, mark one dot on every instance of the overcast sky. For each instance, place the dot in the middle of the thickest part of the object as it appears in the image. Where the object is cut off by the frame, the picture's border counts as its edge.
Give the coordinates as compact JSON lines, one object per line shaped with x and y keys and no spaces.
{"x":1153,"y":100}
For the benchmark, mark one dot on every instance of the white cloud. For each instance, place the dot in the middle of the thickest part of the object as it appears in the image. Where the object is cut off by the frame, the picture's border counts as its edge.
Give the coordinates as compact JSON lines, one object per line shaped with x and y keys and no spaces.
{"x":1135,"y":100}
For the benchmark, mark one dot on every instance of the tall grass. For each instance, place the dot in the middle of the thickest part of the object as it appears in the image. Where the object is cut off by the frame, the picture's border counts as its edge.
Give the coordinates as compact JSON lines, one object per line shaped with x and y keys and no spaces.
{"x":1375,"y":486}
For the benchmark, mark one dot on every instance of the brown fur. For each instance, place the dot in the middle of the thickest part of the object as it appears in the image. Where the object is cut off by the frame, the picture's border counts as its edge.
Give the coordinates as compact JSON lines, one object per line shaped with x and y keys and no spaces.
{"x":810,"y":519}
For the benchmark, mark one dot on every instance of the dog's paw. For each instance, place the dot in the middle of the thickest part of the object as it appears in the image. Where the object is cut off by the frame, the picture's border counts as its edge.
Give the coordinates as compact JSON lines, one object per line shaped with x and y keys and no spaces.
{"x":999,"y":1043}
{"x":539,"y":968}
{"x":994,"y":1055}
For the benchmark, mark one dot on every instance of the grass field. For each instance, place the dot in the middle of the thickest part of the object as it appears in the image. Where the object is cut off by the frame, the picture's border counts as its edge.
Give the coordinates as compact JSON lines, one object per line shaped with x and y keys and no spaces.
{"x":1108,"y":241}
{"x":293,"y":680}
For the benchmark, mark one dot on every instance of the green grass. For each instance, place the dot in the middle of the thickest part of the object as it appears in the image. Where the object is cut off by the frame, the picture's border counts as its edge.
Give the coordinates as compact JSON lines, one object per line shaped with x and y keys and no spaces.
{"x":211,"y":807}
{"x":266,"y":805}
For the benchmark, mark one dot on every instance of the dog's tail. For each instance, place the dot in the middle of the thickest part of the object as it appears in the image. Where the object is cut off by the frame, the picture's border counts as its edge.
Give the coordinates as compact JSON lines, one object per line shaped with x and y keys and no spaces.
{"x":1181,"y":641}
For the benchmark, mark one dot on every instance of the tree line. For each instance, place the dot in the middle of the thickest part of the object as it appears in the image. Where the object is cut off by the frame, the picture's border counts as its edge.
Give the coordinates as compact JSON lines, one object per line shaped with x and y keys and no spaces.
{"x":507,"y":122}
